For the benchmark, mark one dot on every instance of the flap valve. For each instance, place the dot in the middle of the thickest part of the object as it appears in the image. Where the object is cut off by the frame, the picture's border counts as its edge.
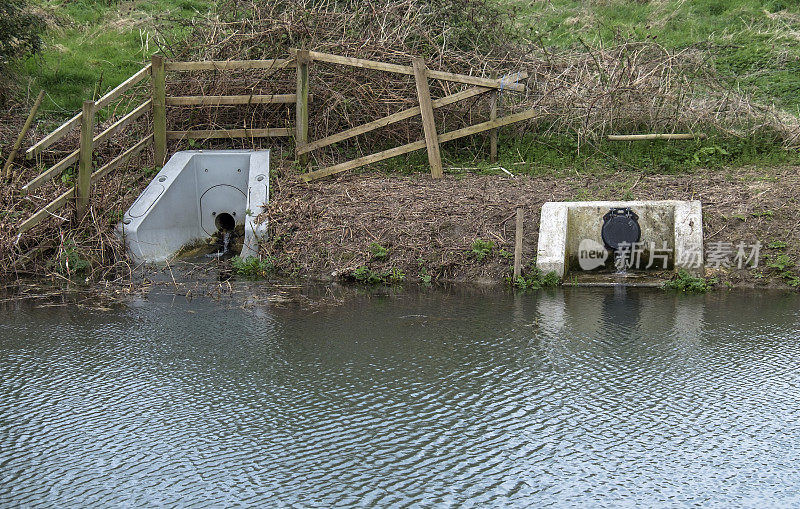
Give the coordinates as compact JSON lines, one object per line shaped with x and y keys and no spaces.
{"x":620,"y":225}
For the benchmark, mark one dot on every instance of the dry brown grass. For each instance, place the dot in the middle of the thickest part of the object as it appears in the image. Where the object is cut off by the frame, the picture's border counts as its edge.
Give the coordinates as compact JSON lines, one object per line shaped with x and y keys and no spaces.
{"x":628,"y":87}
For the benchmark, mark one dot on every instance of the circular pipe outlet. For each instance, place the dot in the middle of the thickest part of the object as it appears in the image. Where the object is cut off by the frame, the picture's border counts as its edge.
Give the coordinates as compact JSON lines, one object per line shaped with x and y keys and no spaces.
{"x":224,"y":222}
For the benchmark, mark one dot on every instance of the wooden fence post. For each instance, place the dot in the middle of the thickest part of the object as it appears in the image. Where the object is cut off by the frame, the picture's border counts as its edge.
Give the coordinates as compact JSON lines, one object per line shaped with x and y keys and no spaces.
{"x":301,"y":109}
{"x":428,"y":124}
{"x":159,"y":110}
{"x":493,"y":132}
{"x":83,"y":183}
{"x":518,"y":245}
{"x":7,"y":173}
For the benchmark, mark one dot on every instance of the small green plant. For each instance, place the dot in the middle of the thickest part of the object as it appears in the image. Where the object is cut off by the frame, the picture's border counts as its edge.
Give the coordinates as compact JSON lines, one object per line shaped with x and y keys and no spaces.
{"x":368,"y":276}
{"x":115,"y":216}
{"x":783,"y":264}
{"x":68,"y":175}
{"x":777,"y":244}
{"x":364,"y":274}
{"x":780,"y":262}
{"x":482,"y":248}
{"x":507,"y":255}
{"x":426,"y":278}
{"x":252,"y":268}
{"x":378,"y":251}
{"x":394,"y":276}
{"x":534,"y":279}
{"x":687,"y":283}
{"x":69,"y":261}
{"x":764,"y":213}
{"x":705,"y":155}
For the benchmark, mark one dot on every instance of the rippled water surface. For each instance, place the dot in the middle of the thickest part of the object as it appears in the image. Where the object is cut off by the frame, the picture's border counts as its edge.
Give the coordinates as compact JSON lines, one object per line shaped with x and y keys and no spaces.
{"x":570,"y":398}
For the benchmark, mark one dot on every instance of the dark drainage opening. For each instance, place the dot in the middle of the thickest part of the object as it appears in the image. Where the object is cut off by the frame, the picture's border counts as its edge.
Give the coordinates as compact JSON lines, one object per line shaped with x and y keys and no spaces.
{"x":620,"y":228}
{"x":225,"y":222}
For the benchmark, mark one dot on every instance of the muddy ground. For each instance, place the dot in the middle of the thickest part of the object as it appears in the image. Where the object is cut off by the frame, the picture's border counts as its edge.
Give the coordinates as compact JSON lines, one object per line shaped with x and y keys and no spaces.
{"x":324,"y":230}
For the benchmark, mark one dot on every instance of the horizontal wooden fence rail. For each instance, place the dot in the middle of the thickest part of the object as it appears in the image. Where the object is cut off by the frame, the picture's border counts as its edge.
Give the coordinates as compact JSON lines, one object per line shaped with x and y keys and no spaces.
{"x":222,"y":100}
{"x":228,"y":65}
{"x":51,"y":172}
{"x":122,"y":122}
{"x":645,"y":137}
{"x":269,"y":132}
{"x":75,"y":121}
{"x":64,"y":198}
{"x":160,"y":101}
{"x":54,"y":136}
{"x":123,"y":87}
{"x":409,"y":70}
{"x":123,"y":158}
{"x":73,"y":157}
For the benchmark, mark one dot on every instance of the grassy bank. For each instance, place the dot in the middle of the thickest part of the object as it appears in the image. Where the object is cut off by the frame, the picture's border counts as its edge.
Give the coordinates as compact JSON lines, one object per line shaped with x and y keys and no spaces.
{"x":539,"y":154}
{"x":90,"y":46}
{"x":750,"y":45}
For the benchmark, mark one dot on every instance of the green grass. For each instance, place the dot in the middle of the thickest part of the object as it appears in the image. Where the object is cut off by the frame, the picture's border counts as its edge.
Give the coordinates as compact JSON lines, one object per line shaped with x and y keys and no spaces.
{"x":253,"y":268}
{"x":365,"y":275}
{"x":93,"y":45}
{"x":753,"y":45}
{"x":551,"y":154}
{"x":687,"y":283}
{"x":534,"y":279}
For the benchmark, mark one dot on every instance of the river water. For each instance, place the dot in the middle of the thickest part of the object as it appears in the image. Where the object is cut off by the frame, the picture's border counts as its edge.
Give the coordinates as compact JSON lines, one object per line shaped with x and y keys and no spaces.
{"x":575,"y":397}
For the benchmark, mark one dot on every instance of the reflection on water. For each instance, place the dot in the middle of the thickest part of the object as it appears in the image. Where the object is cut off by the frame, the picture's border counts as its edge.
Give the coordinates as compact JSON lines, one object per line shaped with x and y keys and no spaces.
{"x":582,"y":397}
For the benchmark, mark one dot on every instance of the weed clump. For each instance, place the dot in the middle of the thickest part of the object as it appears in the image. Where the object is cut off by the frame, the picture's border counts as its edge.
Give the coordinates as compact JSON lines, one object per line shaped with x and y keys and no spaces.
{"x":378,"y":251}
{"x":783,"y":264}
{"x":534,"y":279}
{"x":481,"y":249}
{"x":252,"y":268}
{"x":70,"y":262}
{"x":425,"y":277}
{"x":687,"y":283}
{"x":368,"y":276}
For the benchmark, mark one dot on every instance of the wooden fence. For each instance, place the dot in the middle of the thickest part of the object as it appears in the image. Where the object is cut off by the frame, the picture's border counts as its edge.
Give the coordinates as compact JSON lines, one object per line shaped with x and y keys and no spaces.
{"x":299,"y":60}
{"x":83,"y":154}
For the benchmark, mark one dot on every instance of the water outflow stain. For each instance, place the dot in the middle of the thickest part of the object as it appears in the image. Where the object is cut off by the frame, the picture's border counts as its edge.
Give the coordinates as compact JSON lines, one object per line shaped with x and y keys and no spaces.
{"x":585,"y":398}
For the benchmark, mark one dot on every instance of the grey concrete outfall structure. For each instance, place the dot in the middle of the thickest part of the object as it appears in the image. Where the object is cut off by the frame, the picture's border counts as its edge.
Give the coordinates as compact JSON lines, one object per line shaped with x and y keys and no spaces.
{"x":191,"y":194}
{"x":676,"y":226}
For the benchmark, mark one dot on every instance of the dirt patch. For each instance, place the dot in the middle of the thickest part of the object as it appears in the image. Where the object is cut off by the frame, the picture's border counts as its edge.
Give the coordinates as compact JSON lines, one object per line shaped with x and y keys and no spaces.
{"x":325,"y":230}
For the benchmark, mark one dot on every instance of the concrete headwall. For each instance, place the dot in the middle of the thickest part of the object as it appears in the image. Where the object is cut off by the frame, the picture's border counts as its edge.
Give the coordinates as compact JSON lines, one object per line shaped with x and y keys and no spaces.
{"x":673,"y":226}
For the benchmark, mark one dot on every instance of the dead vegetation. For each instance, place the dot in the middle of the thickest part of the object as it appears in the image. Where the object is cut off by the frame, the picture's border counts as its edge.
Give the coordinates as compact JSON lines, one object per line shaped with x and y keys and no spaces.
{"x":589,"y":92}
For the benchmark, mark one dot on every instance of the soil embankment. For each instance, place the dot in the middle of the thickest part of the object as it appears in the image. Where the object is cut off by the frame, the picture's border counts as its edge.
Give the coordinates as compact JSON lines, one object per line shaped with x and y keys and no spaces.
{"x":330,"y":228}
